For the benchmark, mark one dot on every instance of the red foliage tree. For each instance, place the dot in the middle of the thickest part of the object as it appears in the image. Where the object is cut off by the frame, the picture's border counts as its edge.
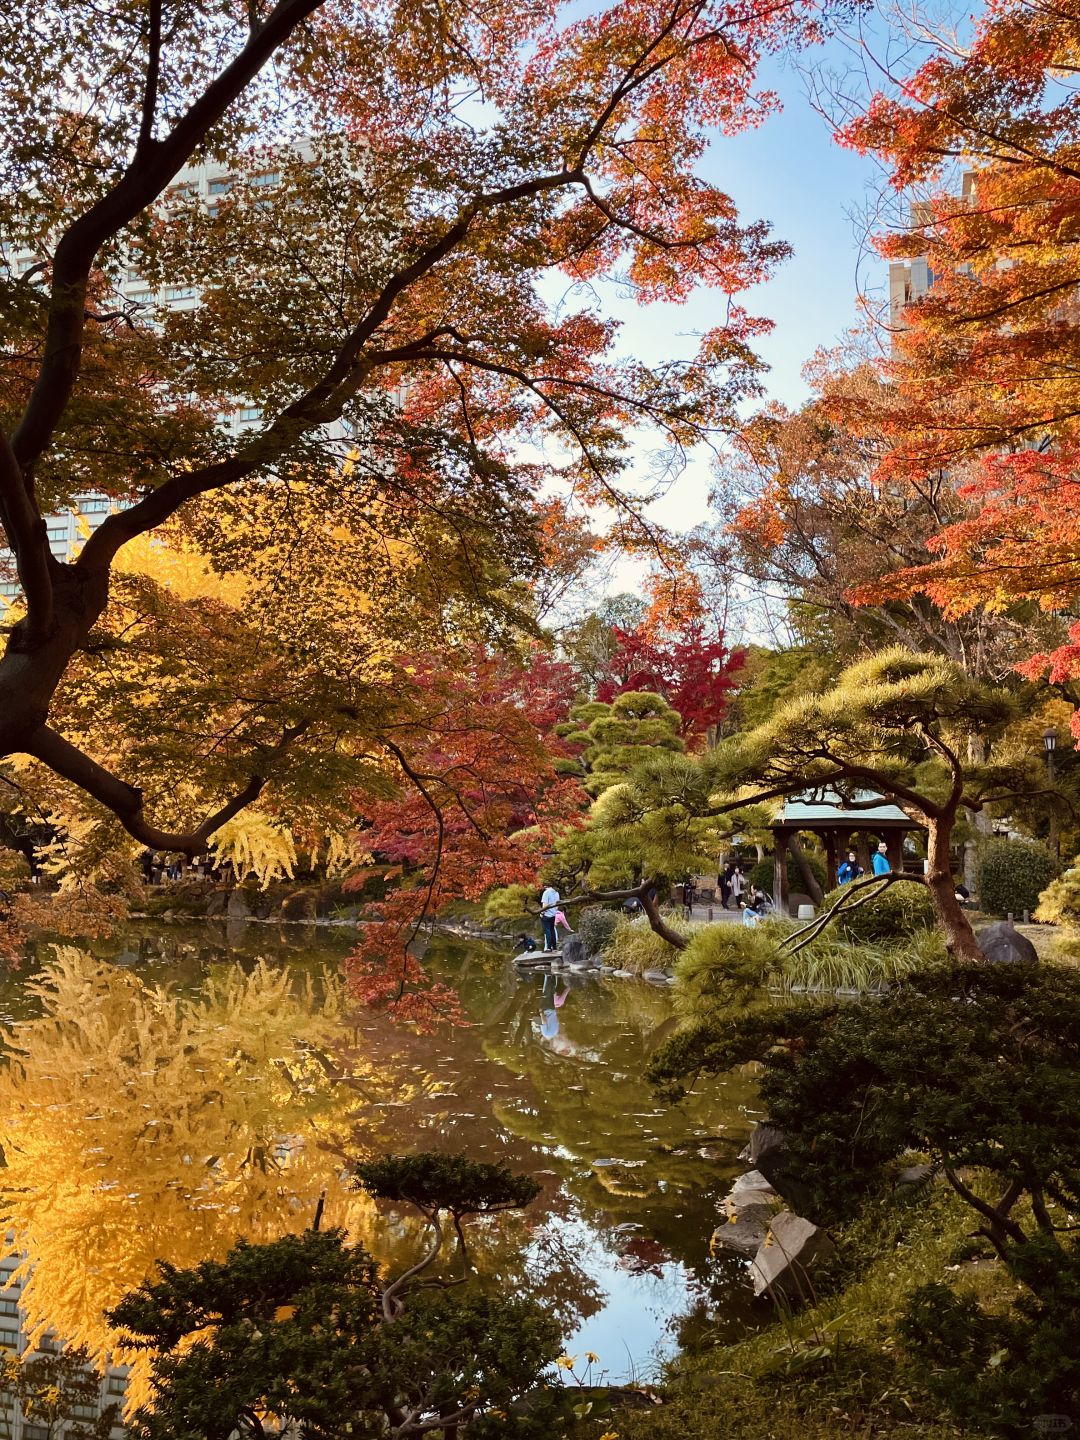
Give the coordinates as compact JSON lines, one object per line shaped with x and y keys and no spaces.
{"x":480,"y":807}
{"x":694,"y":671}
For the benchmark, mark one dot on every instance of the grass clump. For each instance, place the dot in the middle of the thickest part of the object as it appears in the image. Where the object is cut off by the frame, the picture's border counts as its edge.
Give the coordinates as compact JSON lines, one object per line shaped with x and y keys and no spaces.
{"x":635,"y":947}
{"x":832,"y":963}
{"x":726,"y":965}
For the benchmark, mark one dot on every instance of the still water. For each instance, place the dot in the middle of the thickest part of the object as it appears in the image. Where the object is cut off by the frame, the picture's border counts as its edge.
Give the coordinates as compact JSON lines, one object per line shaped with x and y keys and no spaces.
{"x":175,"y":1086}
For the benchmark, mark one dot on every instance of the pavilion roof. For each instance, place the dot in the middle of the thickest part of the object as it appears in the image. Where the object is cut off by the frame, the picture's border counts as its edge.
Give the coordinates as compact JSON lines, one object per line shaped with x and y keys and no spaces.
{"x":826,"y":809}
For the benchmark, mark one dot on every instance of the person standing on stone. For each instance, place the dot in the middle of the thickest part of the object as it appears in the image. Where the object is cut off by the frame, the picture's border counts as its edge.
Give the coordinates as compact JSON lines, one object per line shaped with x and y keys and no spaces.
{"x":881,"y":860}
{"x":850,"y":869}
{"x":549,"y":904}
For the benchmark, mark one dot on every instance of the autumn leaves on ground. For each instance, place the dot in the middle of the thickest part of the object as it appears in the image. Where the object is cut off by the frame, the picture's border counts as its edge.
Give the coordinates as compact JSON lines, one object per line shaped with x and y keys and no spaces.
{"x":345,"y":331}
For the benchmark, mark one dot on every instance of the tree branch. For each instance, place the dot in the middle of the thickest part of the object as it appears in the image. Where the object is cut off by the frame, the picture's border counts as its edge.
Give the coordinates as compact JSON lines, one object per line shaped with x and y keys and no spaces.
{"x":126,"y":801}
{"x":139,"y":186}
{"x":153,"y":73}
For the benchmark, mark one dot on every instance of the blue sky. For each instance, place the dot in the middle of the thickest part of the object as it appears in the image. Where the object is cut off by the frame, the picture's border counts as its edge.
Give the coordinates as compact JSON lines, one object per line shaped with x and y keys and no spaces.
{"x":791,"y":172}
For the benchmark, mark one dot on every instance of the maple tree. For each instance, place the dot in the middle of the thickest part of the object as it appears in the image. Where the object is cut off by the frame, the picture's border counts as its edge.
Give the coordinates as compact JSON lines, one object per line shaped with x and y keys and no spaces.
{"x":484,"y":803}
{"x":371,"y":284}
{"x":817,"y":523}
{"x":692,"y":669}
{"x":983,"y":392}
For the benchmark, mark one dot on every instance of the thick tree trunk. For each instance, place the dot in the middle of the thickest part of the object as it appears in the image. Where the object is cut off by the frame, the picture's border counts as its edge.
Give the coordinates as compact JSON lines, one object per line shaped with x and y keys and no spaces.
{"x":959,"y":937}
{"x":658,"y":924}
{"x":809,"y":879}
{"x":32,"y":666}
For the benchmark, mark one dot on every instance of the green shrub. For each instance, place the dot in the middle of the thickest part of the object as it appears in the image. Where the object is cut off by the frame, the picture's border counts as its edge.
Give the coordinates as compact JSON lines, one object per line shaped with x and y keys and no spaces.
{"x":596,"y":928}
{"x":1012,"y":874}
{"x":635,"y":947}
{"x":1059,"y":903}
{"x":763,"y":874}
{"x":724,"y":965}
{"x":901,"y":910}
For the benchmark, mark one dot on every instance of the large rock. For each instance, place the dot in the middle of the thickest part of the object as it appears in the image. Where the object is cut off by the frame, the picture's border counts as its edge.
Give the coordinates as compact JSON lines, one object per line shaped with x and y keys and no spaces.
{"x":769,"y":1153}
{"x":746,"y":1211}
{"x":573,"y":951}
{"x":781,"y":1268}
{"x":768,"y":1148}
{"x":238,"y":907}
{"x":1002,"y":944}
{"x":219,"y":899}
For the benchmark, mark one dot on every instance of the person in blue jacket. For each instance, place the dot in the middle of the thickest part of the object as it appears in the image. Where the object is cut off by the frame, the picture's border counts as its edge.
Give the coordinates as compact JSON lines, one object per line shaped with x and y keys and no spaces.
{"x":881,"y":860}
{"x":850,"y":869}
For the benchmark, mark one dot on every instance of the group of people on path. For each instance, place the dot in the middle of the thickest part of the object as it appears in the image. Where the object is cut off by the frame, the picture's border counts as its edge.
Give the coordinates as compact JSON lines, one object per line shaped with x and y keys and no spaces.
{"x":732,"y":884}
{"x":751,"y":899}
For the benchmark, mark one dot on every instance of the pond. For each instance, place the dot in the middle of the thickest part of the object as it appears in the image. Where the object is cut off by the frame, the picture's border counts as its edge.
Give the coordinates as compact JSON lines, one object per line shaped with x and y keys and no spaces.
{"x":181,"y":1084}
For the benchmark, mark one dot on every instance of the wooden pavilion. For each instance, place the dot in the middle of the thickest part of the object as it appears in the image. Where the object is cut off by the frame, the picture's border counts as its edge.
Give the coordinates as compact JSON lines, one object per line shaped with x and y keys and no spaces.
{"x":857,"y":823}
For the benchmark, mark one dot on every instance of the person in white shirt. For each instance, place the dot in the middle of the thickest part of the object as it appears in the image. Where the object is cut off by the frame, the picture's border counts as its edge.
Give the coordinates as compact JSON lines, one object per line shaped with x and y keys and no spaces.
{"x":549,"y":903}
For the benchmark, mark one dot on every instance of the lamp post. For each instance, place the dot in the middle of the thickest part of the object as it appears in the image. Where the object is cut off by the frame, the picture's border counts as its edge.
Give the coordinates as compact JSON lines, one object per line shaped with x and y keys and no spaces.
{"x":1050,"y":745}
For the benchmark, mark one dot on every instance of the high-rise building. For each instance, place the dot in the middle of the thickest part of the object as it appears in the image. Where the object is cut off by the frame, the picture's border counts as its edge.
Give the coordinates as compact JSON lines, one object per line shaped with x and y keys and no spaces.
{"x":209,"y":182}
{"x":911,"y":280}
{"x":14,"y":1423}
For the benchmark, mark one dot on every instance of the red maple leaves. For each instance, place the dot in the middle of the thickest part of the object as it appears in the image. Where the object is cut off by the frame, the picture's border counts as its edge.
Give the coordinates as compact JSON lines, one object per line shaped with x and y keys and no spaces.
{"x":480,"y":803}
{"x":693,"y":670}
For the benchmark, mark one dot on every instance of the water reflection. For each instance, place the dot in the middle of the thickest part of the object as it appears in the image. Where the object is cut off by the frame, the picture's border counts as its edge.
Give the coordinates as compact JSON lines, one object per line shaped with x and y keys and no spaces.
{"x":170,"y":1090}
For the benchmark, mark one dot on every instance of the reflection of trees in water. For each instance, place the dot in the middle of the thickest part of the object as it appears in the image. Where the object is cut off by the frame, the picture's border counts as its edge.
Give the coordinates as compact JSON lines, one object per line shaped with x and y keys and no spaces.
{"x":259,"y":1082}
{"x":138,"y":1124}
{"x":593,"y":1105}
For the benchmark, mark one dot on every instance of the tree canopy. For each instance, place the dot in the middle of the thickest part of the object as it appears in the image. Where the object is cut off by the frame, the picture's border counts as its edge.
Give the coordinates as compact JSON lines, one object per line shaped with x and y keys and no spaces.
{"x":369,"y":280}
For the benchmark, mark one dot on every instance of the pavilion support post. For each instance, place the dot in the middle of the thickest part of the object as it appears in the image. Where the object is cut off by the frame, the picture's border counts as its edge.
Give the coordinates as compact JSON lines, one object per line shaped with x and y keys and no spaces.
{"x":780,"y":892}
{"x":832,"y":859}
{"x":895,"y":841}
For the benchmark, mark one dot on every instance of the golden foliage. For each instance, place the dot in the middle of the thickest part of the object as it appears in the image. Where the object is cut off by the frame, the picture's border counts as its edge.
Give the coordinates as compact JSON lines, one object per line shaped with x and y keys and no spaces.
{"x":139,"y":1123}
{"x":254,"y":845}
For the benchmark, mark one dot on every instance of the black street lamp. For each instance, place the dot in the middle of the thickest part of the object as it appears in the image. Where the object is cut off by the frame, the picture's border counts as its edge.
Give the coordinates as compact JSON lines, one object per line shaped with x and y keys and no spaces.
{"x":1050,"y":738}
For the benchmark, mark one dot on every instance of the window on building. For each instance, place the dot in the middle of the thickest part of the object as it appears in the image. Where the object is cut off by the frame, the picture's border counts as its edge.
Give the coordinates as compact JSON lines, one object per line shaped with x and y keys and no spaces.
{"x":141,"y":297}
{"x":222,"y":186}
{"x":116,"y":1385}
{"x":8,"y":1307}
{"x":95,"y":505}
{"x":180,"y":292}
{"x":248,"y":414}
{"x":35,"y":1432}
{"x":272,"y":177}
